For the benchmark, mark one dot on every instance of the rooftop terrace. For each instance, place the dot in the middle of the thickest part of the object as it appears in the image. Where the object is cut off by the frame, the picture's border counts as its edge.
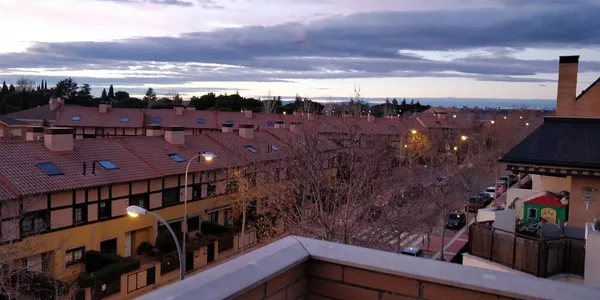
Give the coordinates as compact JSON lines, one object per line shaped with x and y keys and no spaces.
{"x":301,"y":268}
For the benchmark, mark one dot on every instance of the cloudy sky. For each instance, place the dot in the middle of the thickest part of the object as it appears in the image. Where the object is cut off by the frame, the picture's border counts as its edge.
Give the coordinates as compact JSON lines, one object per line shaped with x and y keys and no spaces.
{"x":316,"y":48}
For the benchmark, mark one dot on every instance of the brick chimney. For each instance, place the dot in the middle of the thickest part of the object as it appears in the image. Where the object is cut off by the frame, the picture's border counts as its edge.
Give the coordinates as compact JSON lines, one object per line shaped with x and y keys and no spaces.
{"x":247,"y":131}
{"x":153,"y":130}
{"x":227,"y":127}
{"x":247,"y":113}
{"x":58,"y":139}
{"x":34,"y":133}
{"x":295,"y":127}
{"x":175,"y":135}
{"x":55,"y":103}
{"x":279,"y":124}
{"x":190,"y":108}
{"x":103,"y":108}
{"x":441,"y":115}
{"x":179,"y":110}
{"x":567,"y":85}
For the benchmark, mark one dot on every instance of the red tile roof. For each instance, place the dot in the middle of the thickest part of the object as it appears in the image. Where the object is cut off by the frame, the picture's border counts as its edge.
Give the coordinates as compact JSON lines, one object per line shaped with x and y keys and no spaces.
{"x":11,"y":122}
{"x":545,"y":200}
{"x":238,"y":151}
{"x":259,"y":120}
{"x":189,"y":119}
{"x":36,"y":113}
{"x":91,"y":117}
{"x":27,"y":179}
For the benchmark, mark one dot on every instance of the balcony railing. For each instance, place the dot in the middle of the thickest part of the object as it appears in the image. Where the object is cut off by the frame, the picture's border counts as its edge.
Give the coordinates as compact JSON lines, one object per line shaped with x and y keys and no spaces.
{"x":301,"y":268}
{"x":542,"y":258}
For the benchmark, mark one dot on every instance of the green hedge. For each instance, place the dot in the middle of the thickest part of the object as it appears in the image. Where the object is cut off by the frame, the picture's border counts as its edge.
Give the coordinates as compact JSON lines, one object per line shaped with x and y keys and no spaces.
{"x":96,"y":260}
{"x":110,"y":273}
{"x":214,"y":229}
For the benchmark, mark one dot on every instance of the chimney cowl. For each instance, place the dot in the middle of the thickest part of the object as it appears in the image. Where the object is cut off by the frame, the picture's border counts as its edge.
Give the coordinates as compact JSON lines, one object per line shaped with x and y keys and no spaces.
{"x":573,"y":59}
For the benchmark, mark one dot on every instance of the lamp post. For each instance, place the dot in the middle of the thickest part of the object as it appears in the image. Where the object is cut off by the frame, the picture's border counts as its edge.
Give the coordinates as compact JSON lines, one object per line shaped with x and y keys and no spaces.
{"x":135,"y":211}
{"x":208,"y":157}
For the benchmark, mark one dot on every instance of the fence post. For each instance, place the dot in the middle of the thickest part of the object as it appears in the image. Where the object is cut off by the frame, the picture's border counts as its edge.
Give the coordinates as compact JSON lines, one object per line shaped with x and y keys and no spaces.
{"x":514,"y":254}
{"x":492,"y":244}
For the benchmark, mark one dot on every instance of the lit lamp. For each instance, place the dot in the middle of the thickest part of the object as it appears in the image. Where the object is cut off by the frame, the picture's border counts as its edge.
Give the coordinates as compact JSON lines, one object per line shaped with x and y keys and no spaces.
{"x":492,"y":121}
{"x":526,"y":124}
{"x":521,"y":117}
{"x":454,"y":116}
{"x":455,"y":148}
{"x":413,"y":131}
{"x":504,"y":118}
{"x":135,"y":211}
{"x":405,"y":146}
{"x":463,"y":137}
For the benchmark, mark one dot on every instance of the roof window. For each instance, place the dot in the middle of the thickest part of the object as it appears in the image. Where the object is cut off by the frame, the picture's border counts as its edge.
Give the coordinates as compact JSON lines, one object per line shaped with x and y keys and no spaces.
{"x":76,"y":118}
{"x":50,"y":168}
{"x":107,"y":164}
{"x":251,"y":149}
{"x":155,"y":120}
{"x":125,"y":119}
{"x":200,"y":121}
{"x":176,"y":157}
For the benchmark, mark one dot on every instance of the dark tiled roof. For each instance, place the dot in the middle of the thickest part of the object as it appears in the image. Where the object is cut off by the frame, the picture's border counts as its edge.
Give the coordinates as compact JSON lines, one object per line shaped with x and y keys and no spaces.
{"x":36,"y":113}
{"x":11,"y":122}
{"x":90,"y":116}
{"x":560,"y":142}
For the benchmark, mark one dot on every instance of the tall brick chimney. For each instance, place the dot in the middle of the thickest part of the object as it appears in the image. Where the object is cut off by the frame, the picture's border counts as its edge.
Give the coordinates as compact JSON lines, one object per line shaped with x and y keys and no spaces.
{"x":58,"y":139}
{"x":175,"y":135}
{"x":247,"y":113}
{"x":55,"y":103}
{"x":179,"y":110}
{"x":103,"y":108}
{"x":567,"y":85}
{"x":247,"y":131}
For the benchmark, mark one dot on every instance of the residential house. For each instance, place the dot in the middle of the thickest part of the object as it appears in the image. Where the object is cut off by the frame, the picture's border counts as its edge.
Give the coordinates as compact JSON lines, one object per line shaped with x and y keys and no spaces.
{"x":37,"y":115}
{"x":11,"y":128}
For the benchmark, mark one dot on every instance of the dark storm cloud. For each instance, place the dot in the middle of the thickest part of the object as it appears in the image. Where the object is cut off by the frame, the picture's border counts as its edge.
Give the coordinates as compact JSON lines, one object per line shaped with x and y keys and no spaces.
{"x":353,"y":46}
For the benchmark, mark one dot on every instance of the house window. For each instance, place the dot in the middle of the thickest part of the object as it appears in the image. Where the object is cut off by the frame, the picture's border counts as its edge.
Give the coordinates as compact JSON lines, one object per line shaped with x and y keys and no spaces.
{"x":213,"y":217}
{"x":125,"y":119}
{"x":80,"y":212}
{"x":155,"y":120}
{"x":229,"y":122}
{"x":193,"y":223}
{"x":232,"y":186}
{"x":74,"y":256}
{"x":170,"y":196}
{"x":76,"y":118}
{"x":196,"y":192}
{"x":176,"y":157}
{"x":109,"y":246}
{"x":140,"y":200}
{"x":34,"y":222}
{"x":107,"y":164}
{"x":274,"y":148}
{"x":200,"y":121}
{"x":532,"y":213}
{"x":50,"y":168}
{"x":392,"y":127}
{"x":211,"y":190}
{"x":103,"y":209}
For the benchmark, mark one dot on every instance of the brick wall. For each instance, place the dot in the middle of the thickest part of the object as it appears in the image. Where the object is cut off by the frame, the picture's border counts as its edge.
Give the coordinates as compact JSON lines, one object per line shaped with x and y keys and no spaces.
{"x":317,"y":280}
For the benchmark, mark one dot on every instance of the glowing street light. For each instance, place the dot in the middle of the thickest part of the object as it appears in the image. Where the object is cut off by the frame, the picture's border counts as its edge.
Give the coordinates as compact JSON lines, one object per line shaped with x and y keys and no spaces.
{"x":414,"y":131}
{"x":526,"y":124}
{"x":405,"y":146}
{"x":492,"y":121}
{"x":463,"y":137}
{"x":454,"y":116}
{"x":504,"y":118}
{"x":134,"y":211}
{"x":521,"y":117}
{"x":455,"y":148}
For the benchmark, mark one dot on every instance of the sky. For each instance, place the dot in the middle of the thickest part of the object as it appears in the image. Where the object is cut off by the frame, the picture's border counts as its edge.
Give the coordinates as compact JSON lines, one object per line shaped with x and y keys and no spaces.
{"x":505,"y":49}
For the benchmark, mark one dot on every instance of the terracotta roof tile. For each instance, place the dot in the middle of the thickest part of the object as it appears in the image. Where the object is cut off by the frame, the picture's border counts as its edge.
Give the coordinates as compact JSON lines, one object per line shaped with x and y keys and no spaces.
{"x":237,"y":147}
{"x":11,"y":122}
{"x":90,"y":116}
{"x":259,"y":120}
{"x":190,"y":119}
{"x":37,"y":113}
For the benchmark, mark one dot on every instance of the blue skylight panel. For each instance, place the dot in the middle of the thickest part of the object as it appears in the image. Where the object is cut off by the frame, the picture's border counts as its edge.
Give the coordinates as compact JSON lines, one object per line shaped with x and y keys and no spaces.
{"x":125,"y":119}
{"x":107,"y":164}
{"x":76,"y":118}
{"x":50,"y":168}
{"x":176,"y":157}
{"x":201,"y":121}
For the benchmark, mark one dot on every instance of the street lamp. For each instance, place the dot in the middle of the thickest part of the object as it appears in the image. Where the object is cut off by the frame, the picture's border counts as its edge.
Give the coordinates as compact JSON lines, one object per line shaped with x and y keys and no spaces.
{"x":492,"y":121}
{"x":208,"y":157}
{"x":455,"y":148}
{"x":526,"y":124}
{"x":414,"y":131}
{"x":464,"y":137}
{"x":135,"y":211}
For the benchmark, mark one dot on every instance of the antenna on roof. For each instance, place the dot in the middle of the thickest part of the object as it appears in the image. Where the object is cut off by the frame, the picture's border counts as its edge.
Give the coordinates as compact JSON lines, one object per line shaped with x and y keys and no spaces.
{"x":84,"y":168}
{"x":199,"y":155}
{"x":94,"y":167}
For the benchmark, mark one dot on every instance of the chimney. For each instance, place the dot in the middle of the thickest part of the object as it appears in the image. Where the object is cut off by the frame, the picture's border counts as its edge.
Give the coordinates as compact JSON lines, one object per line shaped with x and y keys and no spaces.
{"x":179,"y":110}
{"x":370,"y":118}
{"x":227,"y":127}
{"x":567,"y":85}
{"x":190,"y":108}
{"x":175,"y":135}
{"x":153,"y":130}
{"x":54,"y":103}
{"x":58,"y":139}
{"x":295,"y":127}
{"x":441,"y":115}
{"x":279,"y":124}
{"x":247,"y":113}
{"x":247,"y":131}
{"x":103,"y":108}
{"x":34,"y":133}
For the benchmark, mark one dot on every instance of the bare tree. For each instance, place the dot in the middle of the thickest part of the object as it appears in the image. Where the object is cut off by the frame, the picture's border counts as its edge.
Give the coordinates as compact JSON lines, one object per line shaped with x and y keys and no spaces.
{"x":268,"y":104}
{"x":24,"y":84}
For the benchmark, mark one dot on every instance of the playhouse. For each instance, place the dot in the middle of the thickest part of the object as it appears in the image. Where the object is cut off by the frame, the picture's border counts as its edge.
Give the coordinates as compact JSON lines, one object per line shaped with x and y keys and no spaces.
{"x":545,"y":208}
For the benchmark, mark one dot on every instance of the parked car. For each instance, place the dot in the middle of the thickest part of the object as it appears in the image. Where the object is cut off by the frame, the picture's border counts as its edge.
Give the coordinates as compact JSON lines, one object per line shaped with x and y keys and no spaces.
{"x":412,"y":251}
{"x":500,"y":187}
{"x":486,"y":198}
{"x":491,"y":191}
{"x":505,"y":180}
{"x":474,"y":203}
{"x":456,"y":220}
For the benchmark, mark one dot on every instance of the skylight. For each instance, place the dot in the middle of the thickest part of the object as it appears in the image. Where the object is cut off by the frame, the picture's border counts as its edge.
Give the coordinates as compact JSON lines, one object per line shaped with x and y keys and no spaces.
{"x":177,"y":157}
{"x":270,"y":124}
{"x":125,"y":119}
{"x":251,"y":149}
{"x":155,"y":120}
{"x":392,"y":127}
{"x":229,"y":122}
{"x":76,"y":118}
{"x":201,"y":121}
{"x":274,"y":148}
{"x":50,"y":168}
{"x":107,"y":164}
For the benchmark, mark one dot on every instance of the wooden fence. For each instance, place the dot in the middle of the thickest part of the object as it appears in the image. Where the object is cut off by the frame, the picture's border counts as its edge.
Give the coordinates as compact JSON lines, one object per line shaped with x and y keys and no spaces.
{"x":542,"y":258}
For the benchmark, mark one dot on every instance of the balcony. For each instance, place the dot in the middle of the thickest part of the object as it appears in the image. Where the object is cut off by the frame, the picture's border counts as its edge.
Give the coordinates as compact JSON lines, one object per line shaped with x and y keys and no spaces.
{"x":301,"y":268}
